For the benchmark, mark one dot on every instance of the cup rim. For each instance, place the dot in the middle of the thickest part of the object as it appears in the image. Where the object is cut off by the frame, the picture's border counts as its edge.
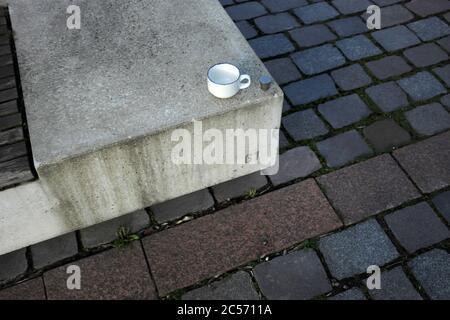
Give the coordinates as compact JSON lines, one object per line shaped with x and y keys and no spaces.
{"x":228,"y":83}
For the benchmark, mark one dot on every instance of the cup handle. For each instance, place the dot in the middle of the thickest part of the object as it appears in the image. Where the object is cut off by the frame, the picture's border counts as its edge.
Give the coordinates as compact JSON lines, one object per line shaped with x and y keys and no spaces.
{"x":244,"y":85}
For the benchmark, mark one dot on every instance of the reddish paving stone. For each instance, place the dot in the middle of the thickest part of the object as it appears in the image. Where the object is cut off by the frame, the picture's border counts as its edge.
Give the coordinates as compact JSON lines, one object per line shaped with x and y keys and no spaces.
{"x":427,"y":162}
{"x":388,"y":67}
{"x":214,"y":244}
{"x":429,"y":7}
{"x":29,"y":290}
{"x":114,"y":274}
{"x":367,"y":188}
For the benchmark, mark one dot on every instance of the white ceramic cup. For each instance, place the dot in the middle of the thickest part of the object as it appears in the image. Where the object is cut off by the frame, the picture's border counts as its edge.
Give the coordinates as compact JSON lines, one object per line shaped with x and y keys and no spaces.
{"x":225,"y":80}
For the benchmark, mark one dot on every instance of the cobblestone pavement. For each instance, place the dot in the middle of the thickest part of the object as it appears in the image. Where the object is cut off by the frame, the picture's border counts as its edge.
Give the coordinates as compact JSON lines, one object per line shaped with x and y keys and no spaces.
{"x":364,"y":177}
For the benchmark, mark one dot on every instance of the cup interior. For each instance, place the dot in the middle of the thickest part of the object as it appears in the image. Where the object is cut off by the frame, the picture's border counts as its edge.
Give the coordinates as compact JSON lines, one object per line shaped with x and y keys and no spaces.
{"x":223,"y":73}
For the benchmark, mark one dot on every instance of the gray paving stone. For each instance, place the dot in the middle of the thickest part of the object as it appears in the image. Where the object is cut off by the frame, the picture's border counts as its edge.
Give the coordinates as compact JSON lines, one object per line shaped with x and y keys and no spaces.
{"x":395,"y":38}
{"x":296,"y":276}
{"x":271,"y":45}
{"x":430,"y":28}
{"x":244,"y":11}
{"x":191,"y":203}
{"x":386,"y":135}
{"x":105,"y":232}
{"x":283,"y":70}
{"x":344,"y":111}
{"x":247,"y":30}
{"x":388,"y":96}
{"x":427,"y":162}
{"x":445,"y":101}
{"x":351,"y":77}
{"x":316,"y":12}
{"x":388,"y":67}
{"x":276,"y":22}
{"x":238,"y":286}
{"x":304,"y":125}
{"x":309,"y":90}
{"x":12,"y":265}
{"x":358,"y":47}
{"x":432,"y":271}
{"x":343,"y":148}
{"x":283,"y":5}
{"x":367,"y":188}
{"x":445,"y":43}
{"x":351,"y":251}
{"x":422,"y":86}
{"x":351,"y":6}
{"x":395,"y":286}
{"x":417,"y":227}
{"x":444,"y":73}
{"x":429,"y":7}
{"x":238,"y":187}
{"x":296,"y":163}
{"x":318,"y":59}
{"x":429,"y":119}
{"x":348,"y":26}
{"x":393,"y":15}
{"x":442,"y":203}
{"x":350,"y":294}
{"x":425,"y":55}
{"x":312,"y":35}
{"x":53,"y":250}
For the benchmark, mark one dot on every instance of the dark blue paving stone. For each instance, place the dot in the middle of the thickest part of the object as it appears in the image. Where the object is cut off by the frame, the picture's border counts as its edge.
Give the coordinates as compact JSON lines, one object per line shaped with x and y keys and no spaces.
{"x":358,"y":47}
{"x":276,"y":23}
{"x":426,"y":55}
{"x":351,"y":6}
{"x":316,"y":12}
{"x":386,"y":135}
{"x":388,"y":96}
{"x":309,"y":90}
{"x":422,"y":86}
{"x":344,"y":111}
{"x":239,"y":187}
{"x":283,"y":141}
{"x":395,"y":286}
{"x":430,"y":28}
{"x":246,"y":11}
{"x":283,"y":5}
{"x":295,"y":163}
{"x":351,"y":251}
{"x":351,"y":77}
{"x":286,"y":105}
{"x":395,"y":38}
{"x":445,"y":43}
{"x":383,"y":3}
{"x":432,"y":271}
{"x":388,"y":67}
{"x":445,"y":100}
{"x":194,"y":202}
{"x":247,"y":30}
{"x":429,"y":7}
{"x":393,"y":15}
{"x":271,"y":45}
{"x":54,"y":250}
{"x":238,"y":286}
{"x":296,"y":276}
{"x":442,"y":203}
{"x":304,"y":125}
{"x":429,"y":119}
{"x":348,"y":26}
{"x":343,"y":148}
{"x":312,"y":35}
{"x":351,"y":294}
{"x":283,"y":70}
{"x":319,"y":59}
{"x":12,"y":265}
{"x":443,"y":73}
{"x":417,"y":227}
{"x":226,"y":2}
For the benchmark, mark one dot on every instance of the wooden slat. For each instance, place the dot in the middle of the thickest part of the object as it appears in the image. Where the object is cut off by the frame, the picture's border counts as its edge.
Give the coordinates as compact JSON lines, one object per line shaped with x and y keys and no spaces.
{"x":15,"y":171}
{"x":12,"y":151}
{"x":11,"y":136}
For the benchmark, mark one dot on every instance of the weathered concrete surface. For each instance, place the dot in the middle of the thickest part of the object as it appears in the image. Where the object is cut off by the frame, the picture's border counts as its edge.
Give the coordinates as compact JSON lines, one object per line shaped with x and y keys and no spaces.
{"x":102,"y":101}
